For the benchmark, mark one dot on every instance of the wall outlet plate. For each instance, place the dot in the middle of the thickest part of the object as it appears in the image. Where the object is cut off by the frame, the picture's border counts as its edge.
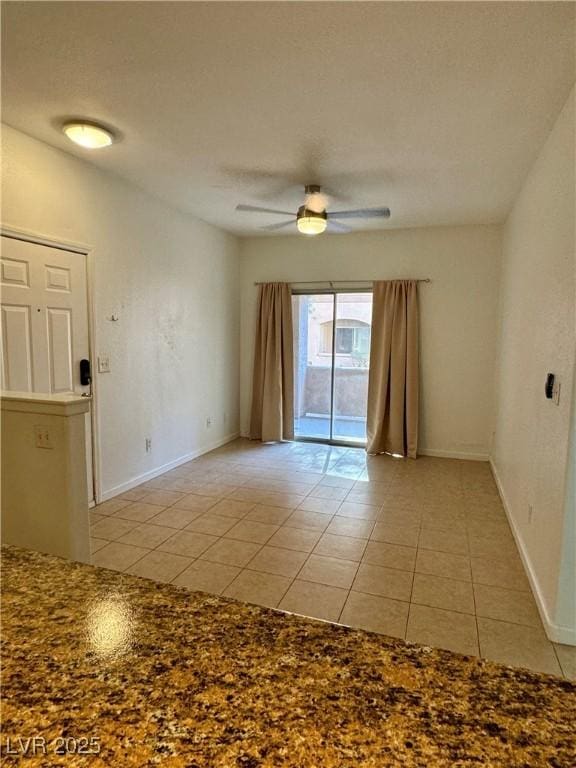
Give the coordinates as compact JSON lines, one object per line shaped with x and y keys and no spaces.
{"x":43,"y":437}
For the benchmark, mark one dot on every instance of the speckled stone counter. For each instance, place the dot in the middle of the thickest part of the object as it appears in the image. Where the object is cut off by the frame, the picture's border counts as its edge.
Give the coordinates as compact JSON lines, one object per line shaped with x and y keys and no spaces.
{"x":157,"y":675}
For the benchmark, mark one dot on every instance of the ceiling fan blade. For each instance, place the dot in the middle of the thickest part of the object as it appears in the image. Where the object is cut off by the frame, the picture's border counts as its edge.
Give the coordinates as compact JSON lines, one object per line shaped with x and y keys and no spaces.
{"x":336,"y":226}
{"x":272,"y":227}
{"x":361,"y":213}
{"x":257,"y":209}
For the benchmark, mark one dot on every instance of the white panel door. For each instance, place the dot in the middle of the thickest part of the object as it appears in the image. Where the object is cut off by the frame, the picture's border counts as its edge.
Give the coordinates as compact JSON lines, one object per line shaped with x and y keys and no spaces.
{"x":44,"y":322}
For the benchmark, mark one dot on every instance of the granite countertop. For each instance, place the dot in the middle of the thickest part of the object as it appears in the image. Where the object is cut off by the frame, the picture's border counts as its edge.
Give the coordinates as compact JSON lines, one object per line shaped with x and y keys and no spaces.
{"x":158,"y":675}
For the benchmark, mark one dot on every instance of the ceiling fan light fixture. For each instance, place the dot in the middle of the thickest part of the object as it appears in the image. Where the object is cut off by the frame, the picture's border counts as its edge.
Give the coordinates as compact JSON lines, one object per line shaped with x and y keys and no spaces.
{"x":311,"y":222}
{"x":88,"y":135}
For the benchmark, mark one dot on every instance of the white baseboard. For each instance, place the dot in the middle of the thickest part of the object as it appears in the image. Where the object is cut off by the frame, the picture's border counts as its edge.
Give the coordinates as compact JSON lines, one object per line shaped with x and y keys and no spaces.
{"x":556,"y":633}
{"x":127,"y":486}
{"x":442,"y":454}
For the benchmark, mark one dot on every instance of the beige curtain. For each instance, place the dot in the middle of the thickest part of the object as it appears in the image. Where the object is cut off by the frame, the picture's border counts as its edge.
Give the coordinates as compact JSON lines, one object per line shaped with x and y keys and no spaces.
{"x":392,"y":420}
{"x":272,"y":415}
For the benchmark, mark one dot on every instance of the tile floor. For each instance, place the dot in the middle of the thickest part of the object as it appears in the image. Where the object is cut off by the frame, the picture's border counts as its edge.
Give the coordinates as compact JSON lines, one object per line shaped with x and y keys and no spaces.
{"x":419,"y":550}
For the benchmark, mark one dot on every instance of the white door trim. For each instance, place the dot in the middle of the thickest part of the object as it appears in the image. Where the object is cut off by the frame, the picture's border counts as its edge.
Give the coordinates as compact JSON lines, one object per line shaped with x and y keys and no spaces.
{"x":29,"y":236}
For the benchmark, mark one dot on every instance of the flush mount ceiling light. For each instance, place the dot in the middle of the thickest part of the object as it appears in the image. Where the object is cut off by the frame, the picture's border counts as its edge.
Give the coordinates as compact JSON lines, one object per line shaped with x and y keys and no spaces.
{"x":311,"y":222}
{"x":88,"y":135}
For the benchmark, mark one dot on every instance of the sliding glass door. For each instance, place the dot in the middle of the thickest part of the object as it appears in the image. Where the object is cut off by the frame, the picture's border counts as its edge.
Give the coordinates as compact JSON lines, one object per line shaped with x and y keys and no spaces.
{"x":331,"y":362}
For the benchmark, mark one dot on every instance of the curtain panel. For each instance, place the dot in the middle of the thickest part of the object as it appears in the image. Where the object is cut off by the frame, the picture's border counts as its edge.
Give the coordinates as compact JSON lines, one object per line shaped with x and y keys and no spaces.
{"x":392,"y":418}
{"x":272,"y":416}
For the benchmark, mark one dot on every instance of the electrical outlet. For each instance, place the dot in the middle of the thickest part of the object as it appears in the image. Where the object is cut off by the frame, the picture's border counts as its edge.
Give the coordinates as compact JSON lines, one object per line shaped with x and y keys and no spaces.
{"x":530,"y":514}
{"x":103,"y":364}
{"x":148,"y":444}
{"x":208,"y":422}
{"x":43,"y":437}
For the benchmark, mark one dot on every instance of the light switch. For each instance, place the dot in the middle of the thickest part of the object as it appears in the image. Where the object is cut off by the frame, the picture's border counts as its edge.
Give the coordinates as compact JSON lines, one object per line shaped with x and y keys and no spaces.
{"x":103,"y":364}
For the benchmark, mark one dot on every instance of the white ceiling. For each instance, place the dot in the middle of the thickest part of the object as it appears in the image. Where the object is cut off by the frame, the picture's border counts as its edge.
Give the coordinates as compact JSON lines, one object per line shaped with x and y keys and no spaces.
{"x":436,"y":110}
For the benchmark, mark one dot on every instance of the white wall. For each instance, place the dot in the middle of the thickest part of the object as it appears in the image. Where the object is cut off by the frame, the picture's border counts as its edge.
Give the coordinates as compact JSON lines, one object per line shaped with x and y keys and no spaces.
{"x":458,"y":314}
{"x":537,"y":335}
{"x":172,"y":280}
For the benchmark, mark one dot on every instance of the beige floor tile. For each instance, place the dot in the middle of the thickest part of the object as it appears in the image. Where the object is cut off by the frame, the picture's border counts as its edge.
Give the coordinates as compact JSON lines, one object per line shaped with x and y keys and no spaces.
{"x":232,"y":508}
{"x":317,"y":601}
{"x":400,"y":517}
{"x":442,"y":519}
{"x":376,"y":614}
{"x":231,"y":552}
{"x":350,"y":526}
{"x":196,"y":503}
{"x":443,"y":564}
{"x":358,"y":511}
{"x":499,"y":573}
{"x":454,"y":542}
{"x":396,"y":534}
{"x":136,"y":494}
{"x":249,"y":495}
{"x":336,"y":481}
{"x":300,"y":539}
{"x":260,"y":588}
{"x":389,"y":555}
{"x":385,"y":582}
{"x":188,"y":543}
{"x":96,"y":544}
{"x":282,"y":562}
{"x":164,"y":498}
{"x":174,"y":517}
{"x":139,"y":511}
{"x":314,"y":521}
{"x":146,"y":535}
{"x":183,"y":485}
{"x":329,"y":492}
{"x":205,"y":576}
{"x":316,"y":504}
{"x":112,"y":528}
{"x":439,"y":592}
{"x":345,"y":547}
{"x":271,"y":515}
{"x":506,"y":605}
{"x":442,"y":629}
{"x":159,"y":566}
{"x":217,"y":490}
{"x":111,"y":506}
{"x":332,"y":571}
{"x":567,"y":657}
{"x":493,"y":549}
{"x":210,"y":523}
{"x":284,"y":500}
{"x":251,"y":530}
{"x":372,"y":485}
{"x":94,"y":517}
{"x":517,"y":646}
{"x":118,"y":556}
{"x":368,"y":496}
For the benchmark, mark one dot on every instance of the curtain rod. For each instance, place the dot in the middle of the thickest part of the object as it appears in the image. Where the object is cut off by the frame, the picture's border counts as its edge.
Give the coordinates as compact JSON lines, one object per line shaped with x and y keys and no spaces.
{"x":345,"y":282}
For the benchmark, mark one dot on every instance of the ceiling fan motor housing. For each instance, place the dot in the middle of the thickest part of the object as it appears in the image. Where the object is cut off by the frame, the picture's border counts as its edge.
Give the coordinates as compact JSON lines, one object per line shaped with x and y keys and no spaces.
{"x":307,"y":213}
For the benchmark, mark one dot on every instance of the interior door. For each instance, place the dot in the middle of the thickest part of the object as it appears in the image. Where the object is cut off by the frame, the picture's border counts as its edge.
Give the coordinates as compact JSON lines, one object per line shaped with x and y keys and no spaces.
{"x":44,"y":323}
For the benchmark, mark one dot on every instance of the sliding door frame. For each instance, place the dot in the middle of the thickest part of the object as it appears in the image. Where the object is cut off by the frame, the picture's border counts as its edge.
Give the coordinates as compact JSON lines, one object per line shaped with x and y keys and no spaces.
{"x":331,"y":292}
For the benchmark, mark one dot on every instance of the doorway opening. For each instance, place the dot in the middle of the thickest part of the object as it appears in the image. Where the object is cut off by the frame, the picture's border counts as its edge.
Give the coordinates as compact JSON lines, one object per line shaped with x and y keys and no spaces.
{"x":331,"y":364}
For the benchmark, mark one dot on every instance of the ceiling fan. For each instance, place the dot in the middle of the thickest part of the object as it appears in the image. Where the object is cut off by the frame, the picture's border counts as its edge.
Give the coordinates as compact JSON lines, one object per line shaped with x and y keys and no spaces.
{"x":312,"y":217}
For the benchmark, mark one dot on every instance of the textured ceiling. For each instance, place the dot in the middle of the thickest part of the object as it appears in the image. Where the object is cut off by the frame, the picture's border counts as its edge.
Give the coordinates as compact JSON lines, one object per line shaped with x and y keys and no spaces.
{"x":436,"y":110}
